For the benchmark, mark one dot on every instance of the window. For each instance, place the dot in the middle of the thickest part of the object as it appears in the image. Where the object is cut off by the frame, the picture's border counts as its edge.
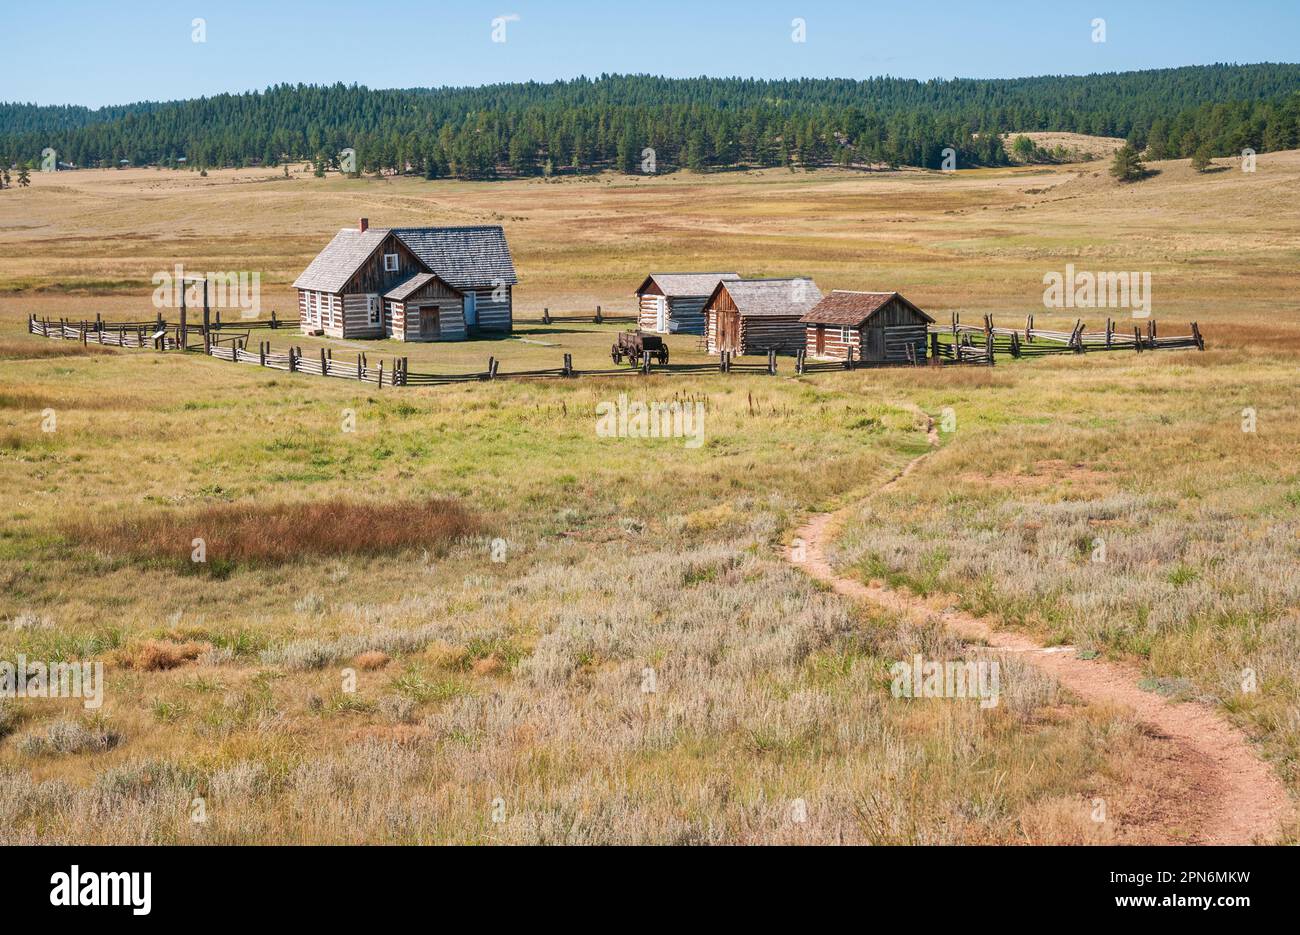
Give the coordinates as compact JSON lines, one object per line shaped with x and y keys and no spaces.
{"x":316,"y":310}
{"x":390,"y":262}
{"x":844,"y":334}
{"x":374,"y":310}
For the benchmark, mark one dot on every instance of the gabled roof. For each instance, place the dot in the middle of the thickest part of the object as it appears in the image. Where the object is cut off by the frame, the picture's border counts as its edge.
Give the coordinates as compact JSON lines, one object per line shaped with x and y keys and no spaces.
{"x":674,"y":285}
{"x":412,"y":284}
{"x":340,"y":259}
{"x":771,"y":297}
{"x":463,"y":256}
{"x":843,"y":307}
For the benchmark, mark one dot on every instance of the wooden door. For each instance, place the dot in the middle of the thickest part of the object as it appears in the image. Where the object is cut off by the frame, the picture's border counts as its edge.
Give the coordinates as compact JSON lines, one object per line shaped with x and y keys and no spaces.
{"x":429,"y":321}
{"x":731,"y":341}
{"x":661,"y":313}
{"x":821,"y":340}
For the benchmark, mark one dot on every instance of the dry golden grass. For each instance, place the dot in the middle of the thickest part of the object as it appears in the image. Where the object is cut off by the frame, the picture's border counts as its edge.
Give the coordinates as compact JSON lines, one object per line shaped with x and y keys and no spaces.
{"x":160,"y":655}
{"x":522,"y":680}
{"x":282,"y":532}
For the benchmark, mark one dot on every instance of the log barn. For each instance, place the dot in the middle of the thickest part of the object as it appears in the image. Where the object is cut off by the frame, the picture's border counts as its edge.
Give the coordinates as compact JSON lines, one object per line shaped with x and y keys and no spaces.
{"x":409,"y":283}
{"x":754,"y":316}
{"x":673,"y":303}
{"x":878,"y":327}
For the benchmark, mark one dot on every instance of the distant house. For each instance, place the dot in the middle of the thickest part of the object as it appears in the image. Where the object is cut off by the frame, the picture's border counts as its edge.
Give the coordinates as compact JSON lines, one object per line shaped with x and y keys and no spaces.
{"x":877,"y":326}
{"x":673,"y":303}
{"x":753,"y":316}
{"x":410,"y":283}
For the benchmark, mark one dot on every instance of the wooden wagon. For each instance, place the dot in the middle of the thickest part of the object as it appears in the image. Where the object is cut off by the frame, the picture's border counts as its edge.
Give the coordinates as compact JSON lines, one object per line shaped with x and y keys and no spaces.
{"x":634,"y":344}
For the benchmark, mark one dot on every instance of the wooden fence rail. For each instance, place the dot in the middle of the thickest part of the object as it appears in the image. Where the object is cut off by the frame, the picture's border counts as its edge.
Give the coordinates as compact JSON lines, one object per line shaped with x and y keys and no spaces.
{"x":968,"y":344}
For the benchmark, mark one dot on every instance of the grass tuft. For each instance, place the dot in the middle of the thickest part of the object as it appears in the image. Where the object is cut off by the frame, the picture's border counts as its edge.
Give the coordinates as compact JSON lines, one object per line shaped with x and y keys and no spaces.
{"x":271,"y":534}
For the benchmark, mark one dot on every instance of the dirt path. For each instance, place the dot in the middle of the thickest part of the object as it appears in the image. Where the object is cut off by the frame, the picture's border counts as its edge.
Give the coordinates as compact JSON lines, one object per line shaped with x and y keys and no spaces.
{"x":1218,"y":791}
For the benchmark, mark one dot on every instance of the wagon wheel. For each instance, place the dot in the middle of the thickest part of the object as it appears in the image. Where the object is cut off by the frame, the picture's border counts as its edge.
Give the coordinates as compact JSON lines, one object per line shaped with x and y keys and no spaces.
{"x":663,"y":357}
{"x":613,"y":352}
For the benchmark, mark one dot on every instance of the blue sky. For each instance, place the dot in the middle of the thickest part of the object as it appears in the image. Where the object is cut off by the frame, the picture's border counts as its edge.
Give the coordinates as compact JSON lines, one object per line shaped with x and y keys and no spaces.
{"x":95,"y":53}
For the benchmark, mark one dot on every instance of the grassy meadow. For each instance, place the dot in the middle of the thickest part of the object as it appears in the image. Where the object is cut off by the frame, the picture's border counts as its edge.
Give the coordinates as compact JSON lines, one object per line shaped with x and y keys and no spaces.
{"x":458,"y":614}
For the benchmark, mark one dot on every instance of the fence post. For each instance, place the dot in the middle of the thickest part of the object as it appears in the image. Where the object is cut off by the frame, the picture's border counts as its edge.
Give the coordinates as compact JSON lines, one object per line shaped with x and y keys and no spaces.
{"x":568,"y":365}
{"x":380,"y":378}
{"x":546,"y":316}
{"x":798,"y":361}
{"x":261,"y":353}
{"x":1109,"y":328}
{"x":771,"y":361}
{"x":274,"y":324}
{"x":360,"y":366}
{"x":1137,"y":339}
{"x":293,"y":359}
{"x":324,"y":364}
{"x":494,"y":365}
{"x":599,"y":318}
{"x":848,"y":358}
{"x":491,"y":370}
{"x":1196,"y":334}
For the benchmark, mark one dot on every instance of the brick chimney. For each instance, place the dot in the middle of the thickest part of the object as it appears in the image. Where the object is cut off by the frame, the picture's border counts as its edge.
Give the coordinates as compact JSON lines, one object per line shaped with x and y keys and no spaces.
{"x":365,"y":224}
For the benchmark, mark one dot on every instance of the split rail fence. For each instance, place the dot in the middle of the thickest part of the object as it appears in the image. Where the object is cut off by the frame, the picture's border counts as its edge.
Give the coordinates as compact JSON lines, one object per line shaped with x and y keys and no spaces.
{"x":968,"y":344}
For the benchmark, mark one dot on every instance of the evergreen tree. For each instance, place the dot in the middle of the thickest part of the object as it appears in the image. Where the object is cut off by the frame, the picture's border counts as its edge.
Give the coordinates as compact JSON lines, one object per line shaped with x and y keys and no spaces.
{"x":1126,"y":166}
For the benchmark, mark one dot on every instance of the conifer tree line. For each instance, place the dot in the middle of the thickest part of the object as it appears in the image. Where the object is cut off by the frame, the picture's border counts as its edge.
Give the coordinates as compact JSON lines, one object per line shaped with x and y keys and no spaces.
{"x":700,"y":123}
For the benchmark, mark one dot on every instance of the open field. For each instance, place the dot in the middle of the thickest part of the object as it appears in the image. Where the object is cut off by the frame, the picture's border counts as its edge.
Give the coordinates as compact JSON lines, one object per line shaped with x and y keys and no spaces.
{"x":637,"y":663}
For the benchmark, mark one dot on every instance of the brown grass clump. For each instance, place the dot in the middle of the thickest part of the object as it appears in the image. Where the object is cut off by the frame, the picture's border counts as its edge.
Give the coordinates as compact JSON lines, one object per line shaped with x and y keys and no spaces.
{"x":44,"y":348}
{"x":275,"y":533}
{"x":158,"y":655}
{"x":372,"y":659}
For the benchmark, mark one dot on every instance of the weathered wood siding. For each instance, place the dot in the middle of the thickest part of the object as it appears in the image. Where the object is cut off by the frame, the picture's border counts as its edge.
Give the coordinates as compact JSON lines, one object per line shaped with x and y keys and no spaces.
{"x":356,"y":319}
{"x":319,"y":311}
{"x":402,"y":319}
{"x":494,"y":314}
{"x":373,"y":278}
{"x":685,"y":313}
{"x":762,"y":333}
{"x":722,"y":306}
{"x":836,"y":341}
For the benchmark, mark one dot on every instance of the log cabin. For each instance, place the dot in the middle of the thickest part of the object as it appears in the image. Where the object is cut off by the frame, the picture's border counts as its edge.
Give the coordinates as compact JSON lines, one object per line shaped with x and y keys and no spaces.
{"x":877,"y":326}
{"x":673,"y":303}
{"x":753,"y":316}
{"x":409,"y":283}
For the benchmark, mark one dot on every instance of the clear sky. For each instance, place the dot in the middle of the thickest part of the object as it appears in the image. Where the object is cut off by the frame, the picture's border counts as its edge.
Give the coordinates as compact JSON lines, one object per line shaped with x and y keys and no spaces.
{"x":95,"y":53}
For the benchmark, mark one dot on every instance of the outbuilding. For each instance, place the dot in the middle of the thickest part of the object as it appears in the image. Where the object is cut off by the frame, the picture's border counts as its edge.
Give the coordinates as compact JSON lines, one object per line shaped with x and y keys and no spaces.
{"x":878,"y":327}
{"x":754,"y":316}
{"x":673,"y":303}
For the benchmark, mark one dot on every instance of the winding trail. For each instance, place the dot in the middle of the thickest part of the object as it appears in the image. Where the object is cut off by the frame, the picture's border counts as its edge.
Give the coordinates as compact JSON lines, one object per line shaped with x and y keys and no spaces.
{"x":1214,"y":789}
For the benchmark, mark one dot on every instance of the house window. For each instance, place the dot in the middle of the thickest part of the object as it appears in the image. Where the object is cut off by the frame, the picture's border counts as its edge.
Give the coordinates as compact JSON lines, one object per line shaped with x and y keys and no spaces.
{"x":316,"y":311}
{"x":844,"y":334}
{"x":390,"y":262}
{"x":375,"y":316}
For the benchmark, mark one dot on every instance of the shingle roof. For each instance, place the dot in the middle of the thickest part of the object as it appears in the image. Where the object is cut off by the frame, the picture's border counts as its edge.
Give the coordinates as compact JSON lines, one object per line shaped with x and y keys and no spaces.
{"x":463,"y":256}
{"x":773,"y":297}
{"x":683,"y":284}
{"x":334,"y":265}
{"x":409,"y":286}
{"x":853,"y":309}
